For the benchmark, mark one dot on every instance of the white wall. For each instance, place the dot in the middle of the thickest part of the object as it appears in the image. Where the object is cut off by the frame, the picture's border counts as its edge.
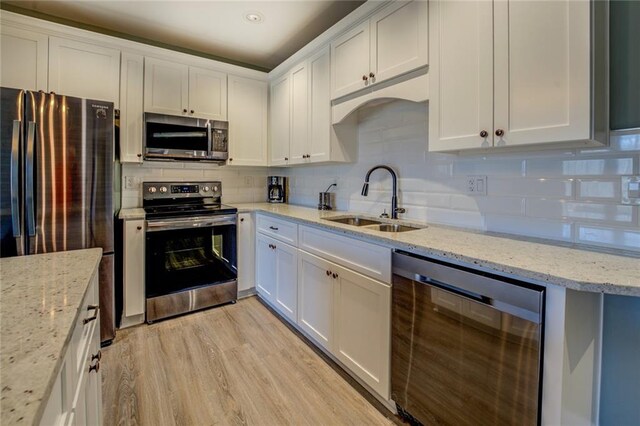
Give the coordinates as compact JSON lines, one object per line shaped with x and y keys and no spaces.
{"x":570,"y":195}
{"x":239,"y":185}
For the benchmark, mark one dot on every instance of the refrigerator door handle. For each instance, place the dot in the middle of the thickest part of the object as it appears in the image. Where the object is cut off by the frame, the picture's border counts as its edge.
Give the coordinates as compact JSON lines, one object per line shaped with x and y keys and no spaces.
{"x":31,"y":220}
{"x":15,"y":189}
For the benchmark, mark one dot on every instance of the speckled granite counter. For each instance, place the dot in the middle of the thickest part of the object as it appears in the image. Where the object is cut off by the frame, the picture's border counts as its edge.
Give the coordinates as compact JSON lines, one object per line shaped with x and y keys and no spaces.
{"x":40,"y":298}
{"x":131,"y":214}
{"x":532,"y":260}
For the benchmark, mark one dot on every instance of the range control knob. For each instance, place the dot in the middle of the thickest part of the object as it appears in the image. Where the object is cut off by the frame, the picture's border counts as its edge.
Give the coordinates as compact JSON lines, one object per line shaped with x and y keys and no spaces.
{"x":205,"y":189}
{"x":152,"y":190}
{"x":163,"y":189}
{"x":215,"y":189}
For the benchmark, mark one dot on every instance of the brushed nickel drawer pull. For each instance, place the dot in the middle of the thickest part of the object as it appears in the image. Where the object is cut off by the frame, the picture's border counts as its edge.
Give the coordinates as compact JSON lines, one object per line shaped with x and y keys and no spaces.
{"x":273,"y":228}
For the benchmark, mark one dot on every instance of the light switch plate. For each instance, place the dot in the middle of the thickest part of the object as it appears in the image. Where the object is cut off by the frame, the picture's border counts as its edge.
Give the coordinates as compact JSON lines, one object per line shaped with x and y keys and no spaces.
{"x":630,"y":190}
{"x":476,"y":185}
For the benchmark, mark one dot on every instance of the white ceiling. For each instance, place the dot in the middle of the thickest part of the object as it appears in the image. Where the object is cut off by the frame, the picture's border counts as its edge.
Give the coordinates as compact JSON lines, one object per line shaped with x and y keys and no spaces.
{"x":216,"y":28}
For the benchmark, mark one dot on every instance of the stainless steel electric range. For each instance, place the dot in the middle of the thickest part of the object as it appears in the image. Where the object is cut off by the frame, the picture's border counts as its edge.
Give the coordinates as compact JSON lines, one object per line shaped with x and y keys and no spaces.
{"x":190,"y":260}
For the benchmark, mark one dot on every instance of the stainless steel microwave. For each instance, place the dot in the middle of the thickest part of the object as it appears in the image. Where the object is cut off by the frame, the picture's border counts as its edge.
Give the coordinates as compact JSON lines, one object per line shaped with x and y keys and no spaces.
{"x":168,"y":137}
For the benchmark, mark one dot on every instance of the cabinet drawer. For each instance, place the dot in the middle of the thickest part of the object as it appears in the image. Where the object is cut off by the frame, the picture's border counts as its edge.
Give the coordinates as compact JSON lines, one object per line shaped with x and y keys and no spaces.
{"x":278,"y":229}
{"x":369,"y":259}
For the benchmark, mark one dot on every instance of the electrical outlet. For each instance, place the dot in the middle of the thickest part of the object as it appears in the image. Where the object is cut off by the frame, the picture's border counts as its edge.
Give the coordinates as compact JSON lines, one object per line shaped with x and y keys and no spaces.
{"x":631,"y":190}
{"x":248,"y":181}
{"x":476,"y":185}
{"x":129,"y":182}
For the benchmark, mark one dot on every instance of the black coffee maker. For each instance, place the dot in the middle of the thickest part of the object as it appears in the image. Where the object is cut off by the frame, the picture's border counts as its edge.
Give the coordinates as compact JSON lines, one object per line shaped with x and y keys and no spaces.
{"x":277,"y":189}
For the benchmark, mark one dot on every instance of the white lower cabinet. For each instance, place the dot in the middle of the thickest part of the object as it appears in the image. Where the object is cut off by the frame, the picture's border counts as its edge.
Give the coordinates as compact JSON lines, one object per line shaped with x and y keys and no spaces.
{"x":362,"y":319}
{"x":315,"y":298}
{"x":246,"y":252}
{"x":76,"y":397}
{"x":133,"y":279}
{"x":277,"y":273}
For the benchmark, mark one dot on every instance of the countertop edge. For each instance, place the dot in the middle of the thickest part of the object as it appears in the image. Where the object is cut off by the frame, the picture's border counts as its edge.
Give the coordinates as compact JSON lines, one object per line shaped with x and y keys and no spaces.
{"x":463,"y":260}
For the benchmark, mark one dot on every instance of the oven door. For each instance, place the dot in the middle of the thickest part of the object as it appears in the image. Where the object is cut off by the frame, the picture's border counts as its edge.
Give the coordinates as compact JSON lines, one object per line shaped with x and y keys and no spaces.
{"x":189,"y":255}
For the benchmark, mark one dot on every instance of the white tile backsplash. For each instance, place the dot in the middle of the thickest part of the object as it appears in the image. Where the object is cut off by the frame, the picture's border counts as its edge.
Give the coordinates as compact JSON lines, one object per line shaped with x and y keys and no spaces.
{"x":571,"y":195}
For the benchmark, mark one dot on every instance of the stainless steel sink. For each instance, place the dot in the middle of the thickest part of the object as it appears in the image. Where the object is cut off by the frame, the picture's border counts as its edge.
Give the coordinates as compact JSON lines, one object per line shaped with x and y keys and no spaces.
{"x":394,"y":227}
{"x":354,"y":221}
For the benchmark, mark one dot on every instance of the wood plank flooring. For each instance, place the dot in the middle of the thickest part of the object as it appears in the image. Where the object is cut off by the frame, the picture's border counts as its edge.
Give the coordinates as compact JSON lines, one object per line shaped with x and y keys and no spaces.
{"x":236,"y":364}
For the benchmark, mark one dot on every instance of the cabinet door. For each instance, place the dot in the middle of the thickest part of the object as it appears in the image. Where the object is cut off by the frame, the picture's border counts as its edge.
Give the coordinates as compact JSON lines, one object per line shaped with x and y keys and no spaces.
{"x":280,"y":122}
{"x":320,"y":106}
{"x":93,"y":387}
{"x":166,"y":87}
{"x":246,"y":252}
{"x":247,"y":122}
{"x":286,"y":297}
{"x":24,"y":59}
{"x":350,"y":61}
{"x":461,"y":75}
{"x":84,"y":70}
{"x":542,"y":71}
{"x":298,"y":146}
{"x":265,"y":267}
{"x":134,"y":297}
{"x":131,"y":107}
{"x":207,"y":94}
{"x":315,"y":298}
{"x":399,"y":39}
{"x":362,"y":319}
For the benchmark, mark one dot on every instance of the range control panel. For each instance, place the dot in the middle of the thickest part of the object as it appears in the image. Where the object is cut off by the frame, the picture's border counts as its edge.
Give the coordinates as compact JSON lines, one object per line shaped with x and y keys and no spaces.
{"x":160,"y":190}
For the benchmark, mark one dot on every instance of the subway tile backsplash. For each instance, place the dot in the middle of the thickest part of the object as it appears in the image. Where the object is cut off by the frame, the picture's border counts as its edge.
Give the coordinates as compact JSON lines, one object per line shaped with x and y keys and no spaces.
{"x":571,"y":195}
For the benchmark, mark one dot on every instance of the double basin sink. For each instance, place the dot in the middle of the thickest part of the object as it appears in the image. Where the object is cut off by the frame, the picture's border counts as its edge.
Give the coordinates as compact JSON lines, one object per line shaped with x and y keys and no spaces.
{"x":373,"y":224}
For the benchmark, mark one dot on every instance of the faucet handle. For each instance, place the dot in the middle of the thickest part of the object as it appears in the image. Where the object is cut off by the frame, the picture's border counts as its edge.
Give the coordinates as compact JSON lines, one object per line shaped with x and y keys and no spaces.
{"x":401,"y":210}
{"x":384,"y":214}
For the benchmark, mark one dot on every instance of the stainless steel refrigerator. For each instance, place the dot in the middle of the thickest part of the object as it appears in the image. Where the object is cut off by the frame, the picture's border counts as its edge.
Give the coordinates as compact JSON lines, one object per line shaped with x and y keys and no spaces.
{"x":56,"y":181}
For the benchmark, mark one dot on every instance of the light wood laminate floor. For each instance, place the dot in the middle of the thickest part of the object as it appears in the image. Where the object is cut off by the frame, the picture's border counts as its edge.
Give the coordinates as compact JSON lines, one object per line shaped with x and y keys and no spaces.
{"x":236,"y":364}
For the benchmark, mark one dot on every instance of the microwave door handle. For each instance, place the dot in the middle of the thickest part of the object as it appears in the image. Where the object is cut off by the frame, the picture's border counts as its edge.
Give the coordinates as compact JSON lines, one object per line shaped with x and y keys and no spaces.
{"x":209,"y":138}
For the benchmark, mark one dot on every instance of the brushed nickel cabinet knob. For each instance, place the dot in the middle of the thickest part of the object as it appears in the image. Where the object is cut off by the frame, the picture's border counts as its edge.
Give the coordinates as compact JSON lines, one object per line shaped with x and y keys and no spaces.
{"x":484,"y":134}
{"x":499,"y":132}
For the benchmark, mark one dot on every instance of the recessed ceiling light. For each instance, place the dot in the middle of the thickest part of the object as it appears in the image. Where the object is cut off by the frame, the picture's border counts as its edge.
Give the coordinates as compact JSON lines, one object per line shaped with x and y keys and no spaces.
{"x":254,"y":17}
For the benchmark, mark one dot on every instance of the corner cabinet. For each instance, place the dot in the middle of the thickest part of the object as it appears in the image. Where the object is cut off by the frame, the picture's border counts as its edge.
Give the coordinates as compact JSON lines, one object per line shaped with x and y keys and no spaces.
{"x":511,"y":73}
{"x":178,"y":89}
{"x":24,"y":58}
{"x":301,"y":129}
{"x":84,"y":70}
{"x":392,"y":42}
{"x":248,"y":135}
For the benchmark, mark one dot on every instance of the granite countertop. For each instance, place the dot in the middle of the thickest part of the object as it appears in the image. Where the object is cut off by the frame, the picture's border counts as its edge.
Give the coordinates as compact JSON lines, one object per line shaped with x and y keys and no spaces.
{"x":131,"y":214}
{"x":541,"y":262}
{"x":40,"y":300}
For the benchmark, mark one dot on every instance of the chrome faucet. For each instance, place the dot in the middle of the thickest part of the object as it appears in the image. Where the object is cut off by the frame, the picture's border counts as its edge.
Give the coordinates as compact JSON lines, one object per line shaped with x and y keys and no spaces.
{"x":394,"y":198}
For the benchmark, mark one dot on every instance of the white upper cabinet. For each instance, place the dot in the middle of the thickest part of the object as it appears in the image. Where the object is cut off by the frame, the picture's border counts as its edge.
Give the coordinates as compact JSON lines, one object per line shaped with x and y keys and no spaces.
{"x":299,"y":114}
{"x":461,"y":74}
{"x":350,"y":61}
{"x":509,"y":73}
{"x":178,"y":89}
{"x":166,"y":87}
{"x":321,"y":134}
{"x":280,"y":121}
{"x":390,"y":43}
{"x":131,"y":107}
{"x":24,"y":59}
{"x":399,"y":39}
{"x":247,"y":122}
{"x":207,"y":94}
{"x":84,"y":70}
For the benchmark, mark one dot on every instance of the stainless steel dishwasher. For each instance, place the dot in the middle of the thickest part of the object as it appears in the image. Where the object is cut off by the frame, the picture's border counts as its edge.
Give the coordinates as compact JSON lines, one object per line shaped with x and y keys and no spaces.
{"x":466,"y":346}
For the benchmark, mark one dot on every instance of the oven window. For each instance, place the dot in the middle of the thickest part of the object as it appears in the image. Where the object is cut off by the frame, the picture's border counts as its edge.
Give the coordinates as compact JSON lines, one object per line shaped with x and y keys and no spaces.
{"x":184,"y":259}
{"x":172,"y":136}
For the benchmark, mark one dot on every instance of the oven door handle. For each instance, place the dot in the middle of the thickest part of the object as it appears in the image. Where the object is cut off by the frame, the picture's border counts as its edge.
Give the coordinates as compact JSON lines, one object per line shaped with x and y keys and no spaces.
{"x":190,"y":223}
